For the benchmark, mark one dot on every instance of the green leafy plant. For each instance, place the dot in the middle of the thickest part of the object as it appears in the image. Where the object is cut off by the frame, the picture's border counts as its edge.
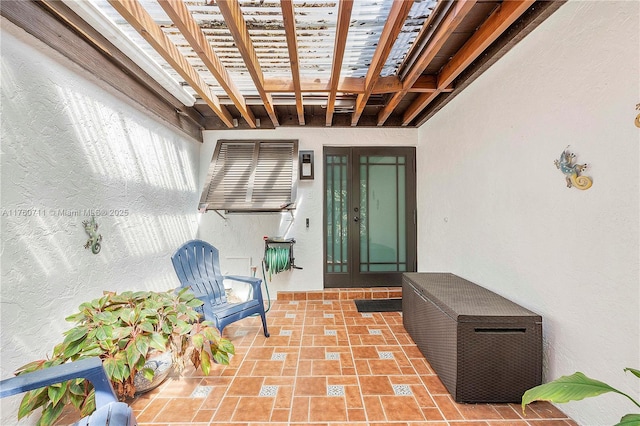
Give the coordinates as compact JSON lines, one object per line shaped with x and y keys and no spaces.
{"x":575,"y":388}
{"x":124,"y":330}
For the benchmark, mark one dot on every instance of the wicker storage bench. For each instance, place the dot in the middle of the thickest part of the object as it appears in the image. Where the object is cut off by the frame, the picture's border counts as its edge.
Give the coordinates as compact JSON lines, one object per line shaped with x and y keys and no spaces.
{"x":483,"y":347}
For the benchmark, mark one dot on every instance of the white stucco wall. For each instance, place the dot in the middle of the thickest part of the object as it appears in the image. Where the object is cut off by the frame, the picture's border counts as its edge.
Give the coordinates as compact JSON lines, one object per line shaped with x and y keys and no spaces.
{"x":494,"y":209}
{"x":68,"y":144}
{"x":241,"y":234}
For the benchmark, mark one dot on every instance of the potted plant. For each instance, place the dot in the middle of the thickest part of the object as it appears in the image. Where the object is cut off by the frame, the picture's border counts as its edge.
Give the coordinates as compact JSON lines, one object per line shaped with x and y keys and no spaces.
{"x":125,"y":330}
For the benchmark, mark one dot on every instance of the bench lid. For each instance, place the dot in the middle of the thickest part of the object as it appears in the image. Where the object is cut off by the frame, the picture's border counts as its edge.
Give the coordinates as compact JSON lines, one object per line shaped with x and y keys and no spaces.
{"x":465,"y":301}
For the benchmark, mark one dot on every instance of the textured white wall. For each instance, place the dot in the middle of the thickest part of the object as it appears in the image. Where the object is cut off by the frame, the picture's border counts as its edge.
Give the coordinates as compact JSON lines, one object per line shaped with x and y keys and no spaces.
{"x":68,"y":145}
{"x":241,"y":234}
{"x":494,"y":209}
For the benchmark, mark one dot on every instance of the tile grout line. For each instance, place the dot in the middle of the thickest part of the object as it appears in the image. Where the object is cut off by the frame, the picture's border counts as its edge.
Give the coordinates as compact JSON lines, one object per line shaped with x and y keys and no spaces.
{"x":353,"y":360}
{"x":295,"y":379}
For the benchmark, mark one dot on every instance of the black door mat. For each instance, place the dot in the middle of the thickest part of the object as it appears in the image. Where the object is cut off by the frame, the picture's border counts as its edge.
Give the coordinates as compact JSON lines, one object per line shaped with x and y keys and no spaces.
{"x":378,"y":305}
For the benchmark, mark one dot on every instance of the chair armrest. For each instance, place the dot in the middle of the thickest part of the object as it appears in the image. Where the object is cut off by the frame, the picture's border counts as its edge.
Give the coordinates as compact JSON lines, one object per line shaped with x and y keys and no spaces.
{"x":90,"y":369}
{"x":255,"y":282}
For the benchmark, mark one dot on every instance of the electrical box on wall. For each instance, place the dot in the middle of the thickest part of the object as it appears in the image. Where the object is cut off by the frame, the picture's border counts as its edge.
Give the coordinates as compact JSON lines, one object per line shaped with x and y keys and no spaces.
{"x":306,"y":165}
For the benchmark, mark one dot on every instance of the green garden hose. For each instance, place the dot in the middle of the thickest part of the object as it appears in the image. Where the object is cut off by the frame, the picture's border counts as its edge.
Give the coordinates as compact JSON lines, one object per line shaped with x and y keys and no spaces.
{"x":277,"y":259}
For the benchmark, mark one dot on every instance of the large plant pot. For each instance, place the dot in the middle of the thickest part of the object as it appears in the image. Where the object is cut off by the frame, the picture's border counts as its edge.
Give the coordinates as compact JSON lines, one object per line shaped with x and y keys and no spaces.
{"x":161,"y":364}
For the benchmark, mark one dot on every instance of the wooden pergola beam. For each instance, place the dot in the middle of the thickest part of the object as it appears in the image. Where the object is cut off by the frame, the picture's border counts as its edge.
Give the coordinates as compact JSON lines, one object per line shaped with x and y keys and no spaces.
{"x":389,"y":84}
{"x":139,"y":19}
{"x":288,"y":17}
{"x":181,"y":17}
{"x":237,"y":26}
{"x":454,"y":17}
{"x":342,"y":29}
{"x":506,"y":14}
{"x":392,"y":27}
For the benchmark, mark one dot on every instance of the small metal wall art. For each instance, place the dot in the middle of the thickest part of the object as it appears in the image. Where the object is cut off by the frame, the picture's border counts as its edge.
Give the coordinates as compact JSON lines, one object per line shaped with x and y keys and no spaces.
{"x":91,"y":227}
{"x":638,"y":116}
{"x":572,"y":171}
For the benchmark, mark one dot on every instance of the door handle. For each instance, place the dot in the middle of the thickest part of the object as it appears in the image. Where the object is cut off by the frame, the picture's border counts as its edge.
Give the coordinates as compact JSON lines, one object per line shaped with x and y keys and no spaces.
{"x":356,"y":218}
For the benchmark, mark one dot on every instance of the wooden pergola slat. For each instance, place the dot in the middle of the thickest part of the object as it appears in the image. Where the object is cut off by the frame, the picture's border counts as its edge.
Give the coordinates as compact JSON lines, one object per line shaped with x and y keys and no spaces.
{"x":448,"y":25}
{"x":236,"y":24}
{"x":395,"y":21}
{"x":181,"y":17}
{"x":489,"y":31}
{"x":289,"y":20}
{"x":139,"y":18}
{"x":342,"y":29}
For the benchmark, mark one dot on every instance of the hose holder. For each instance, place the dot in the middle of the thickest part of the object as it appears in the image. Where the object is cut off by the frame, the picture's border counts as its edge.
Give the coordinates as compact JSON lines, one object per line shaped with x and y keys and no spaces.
{"x":278,"y":254}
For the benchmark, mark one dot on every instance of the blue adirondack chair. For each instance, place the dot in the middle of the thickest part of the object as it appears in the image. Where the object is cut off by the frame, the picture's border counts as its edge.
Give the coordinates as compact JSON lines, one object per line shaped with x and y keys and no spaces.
{"x":197,"y":264}
{"x":108,"y":410}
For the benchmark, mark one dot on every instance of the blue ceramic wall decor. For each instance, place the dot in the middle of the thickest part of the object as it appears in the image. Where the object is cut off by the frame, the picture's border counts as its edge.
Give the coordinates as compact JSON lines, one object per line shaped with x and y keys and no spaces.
{"x":572,"y":171}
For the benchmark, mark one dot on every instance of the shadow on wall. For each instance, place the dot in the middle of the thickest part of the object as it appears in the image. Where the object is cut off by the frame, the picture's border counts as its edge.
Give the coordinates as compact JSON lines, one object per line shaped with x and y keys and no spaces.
{"x":71,"y":150}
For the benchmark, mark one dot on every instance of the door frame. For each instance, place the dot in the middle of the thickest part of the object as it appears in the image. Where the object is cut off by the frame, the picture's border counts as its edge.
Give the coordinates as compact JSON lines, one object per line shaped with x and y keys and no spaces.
{"x":355,"y":278}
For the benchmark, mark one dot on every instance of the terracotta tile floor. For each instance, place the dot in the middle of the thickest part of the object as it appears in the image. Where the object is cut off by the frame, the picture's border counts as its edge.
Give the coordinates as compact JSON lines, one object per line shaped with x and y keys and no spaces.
{"x":324,"y":364}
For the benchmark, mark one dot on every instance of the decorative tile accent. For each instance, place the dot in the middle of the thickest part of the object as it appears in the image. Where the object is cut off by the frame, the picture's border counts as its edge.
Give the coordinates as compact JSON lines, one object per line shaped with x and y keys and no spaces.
{"x":278,"y":356}
{"x":327,"y":302}
{"x":269,"y":390}
{"x":332,"y":356}
{"x":290,"y":316}
{"x":201,"y":391}
{"x":366,"y":314}
{"x":335,"y":390}
{"x":330,"y":333}
{"x":285,"y":332}
{"x":373,"y":331}
{"x":402,"y":390}
{"x":329,"y":315}
{"x":293,"y":302}
{"x":240,"y":333}
{"x":386,"y":355}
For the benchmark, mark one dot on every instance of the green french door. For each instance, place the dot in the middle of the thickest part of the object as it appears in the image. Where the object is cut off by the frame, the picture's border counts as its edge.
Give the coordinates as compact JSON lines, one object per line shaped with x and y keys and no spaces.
{"x":369,"y":216}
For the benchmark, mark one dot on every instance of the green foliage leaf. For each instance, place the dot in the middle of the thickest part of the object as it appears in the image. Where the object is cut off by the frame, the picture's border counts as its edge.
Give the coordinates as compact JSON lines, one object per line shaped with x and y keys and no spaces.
{"x":148,"y":373}
{"x":212,"y":334}
{"x":221,"y":358}
{"x":158,"y":341}
{"x":198,"y":341}
{"x":630,"y":420}
{"x":32,"y":366}
{"x":633,"y":371}
{"x":110,"y":366}
{"x":93,"y":350}
{"x":147,"y":327}
{"x":120,"y":332}
{"x":106,"y":317}
{"x":226,"y":346}
{"x":89,"y":405}
{"x":133,"y":355}
{"x":76,"y":387}
{"x":73,"y":348}
{"x":32,"y":400}
{"x":50,"y":414}
{"x":75,"y":334}
{"x":56,"y":392}
{"x":142,"y":344}
{"x":205,"y":362}
{"x":194,"y":303}
{"x":183,"y":327}
{"x":104,"y":332}
{"x":567,"y":388}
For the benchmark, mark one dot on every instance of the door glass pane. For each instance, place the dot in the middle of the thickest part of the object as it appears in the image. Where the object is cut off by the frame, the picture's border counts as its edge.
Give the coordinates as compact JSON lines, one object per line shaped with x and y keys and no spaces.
{"x":382,"y":214}
{"x":336,"y":214}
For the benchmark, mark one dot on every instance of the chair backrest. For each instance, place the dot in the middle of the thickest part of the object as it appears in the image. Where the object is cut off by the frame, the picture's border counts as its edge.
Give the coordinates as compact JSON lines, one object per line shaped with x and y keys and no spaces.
{"x":197,"y":264}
